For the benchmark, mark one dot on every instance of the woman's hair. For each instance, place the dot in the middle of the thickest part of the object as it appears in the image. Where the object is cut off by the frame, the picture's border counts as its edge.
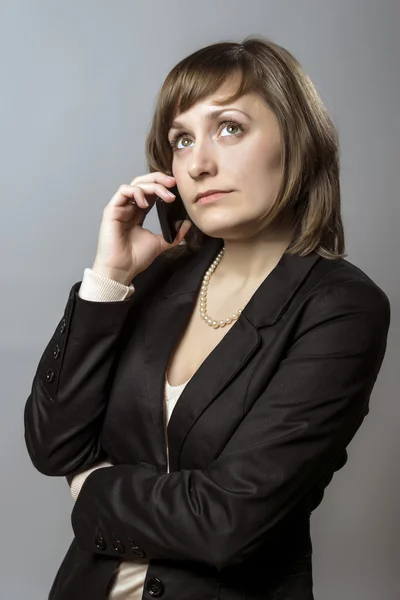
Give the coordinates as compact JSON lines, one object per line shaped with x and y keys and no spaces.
{"x":310,"y":190}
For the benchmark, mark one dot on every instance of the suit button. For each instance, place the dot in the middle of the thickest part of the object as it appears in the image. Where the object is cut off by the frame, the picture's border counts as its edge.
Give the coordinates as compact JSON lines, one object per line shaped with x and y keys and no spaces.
{"x":63,"y":326}
{"x":138,"y":551}
{"x":100,"y":542}
{"x":49,"y":375}
{"x":135,"y":548}
{"x":56,"y":351}
{"x":118,"y":546}
{"x":155,"y":587}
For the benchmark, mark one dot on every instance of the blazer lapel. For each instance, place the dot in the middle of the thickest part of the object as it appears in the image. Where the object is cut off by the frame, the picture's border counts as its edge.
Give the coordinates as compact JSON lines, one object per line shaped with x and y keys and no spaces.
{"x":167,"y":319}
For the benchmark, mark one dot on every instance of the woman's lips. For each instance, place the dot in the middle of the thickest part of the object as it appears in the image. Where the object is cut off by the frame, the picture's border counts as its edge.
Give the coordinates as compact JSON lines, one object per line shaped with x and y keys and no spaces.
{"x":211,"y":198}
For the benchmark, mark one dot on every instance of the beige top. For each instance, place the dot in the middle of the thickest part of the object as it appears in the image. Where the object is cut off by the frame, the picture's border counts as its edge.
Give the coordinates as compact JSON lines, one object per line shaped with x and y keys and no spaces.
{"x":130,"y":575}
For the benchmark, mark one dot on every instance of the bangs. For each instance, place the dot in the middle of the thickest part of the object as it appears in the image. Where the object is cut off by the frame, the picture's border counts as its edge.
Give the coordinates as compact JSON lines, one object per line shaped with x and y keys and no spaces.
{"x":199,"y":76}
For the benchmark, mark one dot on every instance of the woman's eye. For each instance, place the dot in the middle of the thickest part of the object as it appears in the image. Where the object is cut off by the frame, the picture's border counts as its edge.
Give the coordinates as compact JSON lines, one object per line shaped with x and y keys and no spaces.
{"x":177,"y":142}
{"x":227,"y":125}
{"x":232,"y":126}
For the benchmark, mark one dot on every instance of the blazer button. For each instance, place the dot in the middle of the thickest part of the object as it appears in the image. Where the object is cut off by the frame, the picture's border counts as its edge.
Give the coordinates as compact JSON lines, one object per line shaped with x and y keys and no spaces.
{"x":155,"y":587}
{"x":49,"y":375}
{"x":100,"y":542}
{"x":63,"y":326}
{"x":56,"y":351}
{"x":138,"y":551}
{"x":118,"y":547}
{"x":135,"y":548}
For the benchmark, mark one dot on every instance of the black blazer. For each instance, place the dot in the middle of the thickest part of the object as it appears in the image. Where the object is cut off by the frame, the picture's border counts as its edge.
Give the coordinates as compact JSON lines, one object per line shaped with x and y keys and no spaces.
{"x":254,"y":439}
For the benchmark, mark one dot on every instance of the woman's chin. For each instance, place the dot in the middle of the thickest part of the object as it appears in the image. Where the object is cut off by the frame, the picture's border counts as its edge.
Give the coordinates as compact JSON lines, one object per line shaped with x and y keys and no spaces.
{"x":219,"y":224}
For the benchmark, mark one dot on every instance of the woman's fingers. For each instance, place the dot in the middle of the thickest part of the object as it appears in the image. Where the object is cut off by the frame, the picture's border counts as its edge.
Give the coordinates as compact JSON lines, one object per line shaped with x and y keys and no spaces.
{"x":143,"y":195}
{"x":156,"y":177}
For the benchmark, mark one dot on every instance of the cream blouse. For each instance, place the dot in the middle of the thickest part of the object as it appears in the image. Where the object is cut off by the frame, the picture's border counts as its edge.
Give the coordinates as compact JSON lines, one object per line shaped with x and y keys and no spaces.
{"x":130,"y":575}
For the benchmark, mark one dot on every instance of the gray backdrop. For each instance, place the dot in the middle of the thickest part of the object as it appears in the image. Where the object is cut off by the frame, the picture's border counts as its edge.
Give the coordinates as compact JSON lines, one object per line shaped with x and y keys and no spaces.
{"x":78,"y":85}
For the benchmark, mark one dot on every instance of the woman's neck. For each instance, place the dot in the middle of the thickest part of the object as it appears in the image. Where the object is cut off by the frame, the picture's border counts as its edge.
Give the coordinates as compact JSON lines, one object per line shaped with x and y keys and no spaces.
{"x":246,"y":263}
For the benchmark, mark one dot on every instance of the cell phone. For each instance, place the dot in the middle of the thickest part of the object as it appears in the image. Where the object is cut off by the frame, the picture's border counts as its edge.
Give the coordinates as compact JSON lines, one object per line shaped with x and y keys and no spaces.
{"x":169,"y":213}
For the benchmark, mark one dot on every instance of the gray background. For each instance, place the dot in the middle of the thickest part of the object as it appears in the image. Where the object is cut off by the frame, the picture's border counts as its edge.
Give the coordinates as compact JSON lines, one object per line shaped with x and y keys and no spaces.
{"x":78,"y":85}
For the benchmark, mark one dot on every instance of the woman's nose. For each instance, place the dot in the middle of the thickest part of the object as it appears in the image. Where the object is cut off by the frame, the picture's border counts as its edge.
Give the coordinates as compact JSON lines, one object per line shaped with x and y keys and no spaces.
{"x":202,"y":160}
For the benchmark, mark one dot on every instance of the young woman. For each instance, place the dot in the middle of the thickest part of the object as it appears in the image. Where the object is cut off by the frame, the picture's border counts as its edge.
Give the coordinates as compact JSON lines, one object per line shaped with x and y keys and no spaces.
{"x":200,"y":395}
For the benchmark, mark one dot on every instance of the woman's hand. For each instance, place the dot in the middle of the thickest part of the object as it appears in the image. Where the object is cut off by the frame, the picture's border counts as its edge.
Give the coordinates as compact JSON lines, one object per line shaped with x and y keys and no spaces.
{"x":125,"y":248}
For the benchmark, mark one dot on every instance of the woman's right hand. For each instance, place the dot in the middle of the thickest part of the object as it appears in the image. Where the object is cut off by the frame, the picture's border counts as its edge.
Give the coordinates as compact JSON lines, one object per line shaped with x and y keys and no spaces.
{"x":125,"y":248}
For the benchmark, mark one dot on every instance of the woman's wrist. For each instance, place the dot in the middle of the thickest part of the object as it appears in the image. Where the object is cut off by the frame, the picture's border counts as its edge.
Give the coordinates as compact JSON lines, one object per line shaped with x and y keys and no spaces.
{"x":118,"y":275}
{"x":99,"y":288}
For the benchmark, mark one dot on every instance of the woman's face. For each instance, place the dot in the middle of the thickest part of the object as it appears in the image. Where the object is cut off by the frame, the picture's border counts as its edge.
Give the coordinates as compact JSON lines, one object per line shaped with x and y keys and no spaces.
{"x":242,"y":156}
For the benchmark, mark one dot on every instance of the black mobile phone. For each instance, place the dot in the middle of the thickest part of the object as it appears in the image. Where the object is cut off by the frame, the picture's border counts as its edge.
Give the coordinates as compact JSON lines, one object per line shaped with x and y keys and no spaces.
{"x":169,"y":213}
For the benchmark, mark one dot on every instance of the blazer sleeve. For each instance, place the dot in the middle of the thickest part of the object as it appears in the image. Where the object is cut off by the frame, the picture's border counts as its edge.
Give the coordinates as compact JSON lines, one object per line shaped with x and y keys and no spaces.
{"x":64,"y":412}
{"x":97,"y":288}
{"x":286,"y":444}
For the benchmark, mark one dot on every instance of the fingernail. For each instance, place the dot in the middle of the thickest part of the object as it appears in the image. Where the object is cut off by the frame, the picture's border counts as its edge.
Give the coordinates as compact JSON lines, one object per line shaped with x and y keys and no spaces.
{"x":171,"y":195}
{"x":146,"y":203}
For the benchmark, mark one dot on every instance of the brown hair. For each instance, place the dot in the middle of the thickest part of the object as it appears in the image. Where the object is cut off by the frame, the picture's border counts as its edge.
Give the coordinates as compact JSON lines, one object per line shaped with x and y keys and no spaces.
{"x":310,"y":190}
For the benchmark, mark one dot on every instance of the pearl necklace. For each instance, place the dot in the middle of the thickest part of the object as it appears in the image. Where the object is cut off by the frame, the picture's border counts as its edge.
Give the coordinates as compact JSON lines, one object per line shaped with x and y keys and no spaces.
{"x":203,"y":296}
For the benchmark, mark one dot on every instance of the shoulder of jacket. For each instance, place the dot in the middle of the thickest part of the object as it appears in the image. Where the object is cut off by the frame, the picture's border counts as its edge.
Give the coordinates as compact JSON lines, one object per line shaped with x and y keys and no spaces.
{"x":343,"y":284}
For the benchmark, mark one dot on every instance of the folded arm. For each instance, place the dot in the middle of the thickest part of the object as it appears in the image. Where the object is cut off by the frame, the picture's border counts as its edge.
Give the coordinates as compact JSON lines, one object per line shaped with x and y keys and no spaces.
{"x":97,"y":288}
{"x":64,"y":412}
{"x":287,"y":443}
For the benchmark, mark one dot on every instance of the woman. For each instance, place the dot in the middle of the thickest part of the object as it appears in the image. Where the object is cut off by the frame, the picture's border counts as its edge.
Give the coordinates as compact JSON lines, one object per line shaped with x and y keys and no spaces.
{"x":253,"y":318}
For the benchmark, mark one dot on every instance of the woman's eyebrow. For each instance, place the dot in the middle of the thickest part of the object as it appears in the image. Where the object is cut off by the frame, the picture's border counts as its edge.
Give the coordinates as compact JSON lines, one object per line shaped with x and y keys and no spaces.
{"x":210,"y":116}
